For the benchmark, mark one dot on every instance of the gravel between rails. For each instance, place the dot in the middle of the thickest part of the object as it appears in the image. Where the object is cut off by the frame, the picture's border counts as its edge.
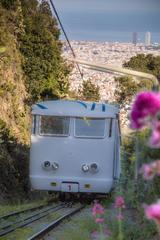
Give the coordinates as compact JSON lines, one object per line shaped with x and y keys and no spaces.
{"x":67,"y":214}
{"x":55,"y":234}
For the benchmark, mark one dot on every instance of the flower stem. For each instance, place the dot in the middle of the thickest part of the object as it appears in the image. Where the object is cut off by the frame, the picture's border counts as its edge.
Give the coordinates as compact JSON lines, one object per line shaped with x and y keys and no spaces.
{"x":101,"y":232}
{"x":120,"y":234}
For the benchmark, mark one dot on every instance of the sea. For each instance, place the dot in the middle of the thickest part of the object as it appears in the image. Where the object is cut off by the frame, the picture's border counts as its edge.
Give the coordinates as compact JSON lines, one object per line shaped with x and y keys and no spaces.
{"x":110,"y":36}
{"x":105,"y":28}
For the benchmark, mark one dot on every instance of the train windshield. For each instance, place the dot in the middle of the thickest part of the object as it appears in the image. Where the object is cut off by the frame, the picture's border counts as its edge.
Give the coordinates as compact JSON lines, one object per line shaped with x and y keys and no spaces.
{"x":90,"y":127}
{"x":54,"y":125}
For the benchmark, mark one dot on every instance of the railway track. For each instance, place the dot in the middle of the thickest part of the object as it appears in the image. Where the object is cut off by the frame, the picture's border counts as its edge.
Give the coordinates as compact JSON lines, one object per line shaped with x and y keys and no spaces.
{"x":12,"y":214}
{"x":11,"y":222}
{"x":41,"y":234}
{"x":22,"y":221}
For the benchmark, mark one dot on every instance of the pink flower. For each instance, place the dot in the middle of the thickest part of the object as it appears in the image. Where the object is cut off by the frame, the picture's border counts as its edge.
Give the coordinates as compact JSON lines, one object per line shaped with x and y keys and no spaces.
{"x":97,"y":209}
{"x":150,"y":170}
{"x":153,"y":212}
{"x":147,"y":104}
{"x":119,"y":202}
{"x":99,"y":220}
{"x":147,"y":171}
{"x":154,"y":141}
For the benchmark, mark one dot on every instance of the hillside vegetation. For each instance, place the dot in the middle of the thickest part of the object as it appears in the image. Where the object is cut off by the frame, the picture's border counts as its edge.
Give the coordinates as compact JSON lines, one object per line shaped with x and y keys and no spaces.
{"x":127,"y":87}
{"x":31,"y":69}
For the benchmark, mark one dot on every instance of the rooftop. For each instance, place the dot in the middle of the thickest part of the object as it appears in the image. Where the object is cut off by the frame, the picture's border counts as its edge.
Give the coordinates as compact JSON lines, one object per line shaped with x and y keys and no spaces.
{"x":75,"y":108}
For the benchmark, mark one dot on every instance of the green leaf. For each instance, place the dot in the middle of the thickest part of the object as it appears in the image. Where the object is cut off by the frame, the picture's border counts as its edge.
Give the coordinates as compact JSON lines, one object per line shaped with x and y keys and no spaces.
{"x":2,"y":49}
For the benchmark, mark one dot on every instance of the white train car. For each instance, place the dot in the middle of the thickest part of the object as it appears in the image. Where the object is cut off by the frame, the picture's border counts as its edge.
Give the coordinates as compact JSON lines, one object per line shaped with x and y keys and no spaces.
{"x":75,"y":147}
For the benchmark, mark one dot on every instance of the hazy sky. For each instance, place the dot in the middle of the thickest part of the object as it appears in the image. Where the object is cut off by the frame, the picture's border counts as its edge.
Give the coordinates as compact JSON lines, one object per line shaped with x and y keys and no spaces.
{"x":147,"y":6}
{"x":112,"y":15}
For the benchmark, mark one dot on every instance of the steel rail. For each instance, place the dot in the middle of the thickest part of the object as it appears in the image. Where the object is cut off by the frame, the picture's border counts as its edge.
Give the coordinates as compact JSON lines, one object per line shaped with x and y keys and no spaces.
{"x":23,"y":222}
{"x":54,"y":224}
{"x":22,"y":211}
{"x":28,"y":217}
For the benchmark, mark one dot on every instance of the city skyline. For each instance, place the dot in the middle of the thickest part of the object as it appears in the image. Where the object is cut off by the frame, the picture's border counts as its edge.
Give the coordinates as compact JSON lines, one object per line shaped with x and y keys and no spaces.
{"x":148,"y":39}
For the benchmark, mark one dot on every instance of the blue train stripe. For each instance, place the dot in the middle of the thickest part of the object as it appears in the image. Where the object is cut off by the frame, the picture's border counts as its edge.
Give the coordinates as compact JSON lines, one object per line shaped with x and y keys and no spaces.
{"x":93,"y":106}
{"x":82,"y":103}
{"x":103,"y":108}
{"x":41,"y":106}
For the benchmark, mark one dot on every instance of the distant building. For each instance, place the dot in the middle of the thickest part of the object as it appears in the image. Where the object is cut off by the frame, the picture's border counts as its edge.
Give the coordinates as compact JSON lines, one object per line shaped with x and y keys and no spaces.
{"x":147,"y":39}
{"x":134,"y":38}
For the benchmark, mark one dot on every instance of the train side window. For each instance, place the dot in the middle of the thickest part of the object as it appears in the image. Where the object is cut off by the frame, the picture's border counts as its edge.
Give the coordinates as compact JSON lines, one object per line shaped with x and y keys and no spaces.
{"x":54,"y":125}
{"x":34,"y":120}
{"x":110,"y":127}
{"x":90,"y":127}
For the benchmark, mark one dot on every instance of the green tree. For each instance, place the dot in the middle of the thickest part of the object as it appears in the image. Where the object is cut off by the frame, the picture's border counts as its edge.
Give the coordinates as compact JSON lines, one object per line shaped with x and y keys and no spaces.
{"x":89,"y":91}
{"x":145,"y":63}
{"x":127,"y":87}
{"x":46,"y":72}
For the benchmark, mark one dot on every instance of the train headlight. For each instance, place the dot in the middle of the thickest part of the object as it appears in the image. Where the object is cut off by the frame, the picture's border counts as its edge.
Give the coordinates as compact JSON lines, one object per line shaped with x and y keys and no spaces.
{"x":94,"y":168}
{"x":85,"y":168}
{"x":55,"y":166}
{"x":46,"y":165}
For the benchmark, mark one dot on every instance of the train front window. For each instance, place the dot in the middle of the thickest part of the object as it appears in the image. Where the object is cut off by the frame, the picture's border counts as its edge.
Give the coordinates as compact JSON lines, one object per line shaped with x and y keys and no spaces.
{"x":54,"y":125}
{"x":90,"y":127}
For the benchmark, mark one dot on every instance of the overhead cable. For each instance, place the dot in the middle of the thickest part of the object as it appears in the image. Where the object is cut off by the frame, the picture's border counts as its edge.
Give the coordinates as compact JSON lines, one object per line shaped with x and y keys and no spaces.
{"x":64,"y":32}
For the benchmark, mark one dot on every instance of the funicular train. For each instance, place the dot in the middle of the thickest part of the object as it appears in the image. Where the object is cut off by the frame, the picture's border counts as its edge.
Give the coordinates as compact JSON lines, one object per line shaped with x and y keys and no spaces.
{"x":75,"y":147}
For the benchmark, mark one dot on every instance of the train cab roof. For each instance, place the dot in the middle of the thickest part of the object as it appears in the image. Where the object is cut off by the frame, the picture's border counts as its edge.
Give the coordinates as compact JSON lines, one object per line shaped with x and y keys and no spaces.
{"x":75,"y":109}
